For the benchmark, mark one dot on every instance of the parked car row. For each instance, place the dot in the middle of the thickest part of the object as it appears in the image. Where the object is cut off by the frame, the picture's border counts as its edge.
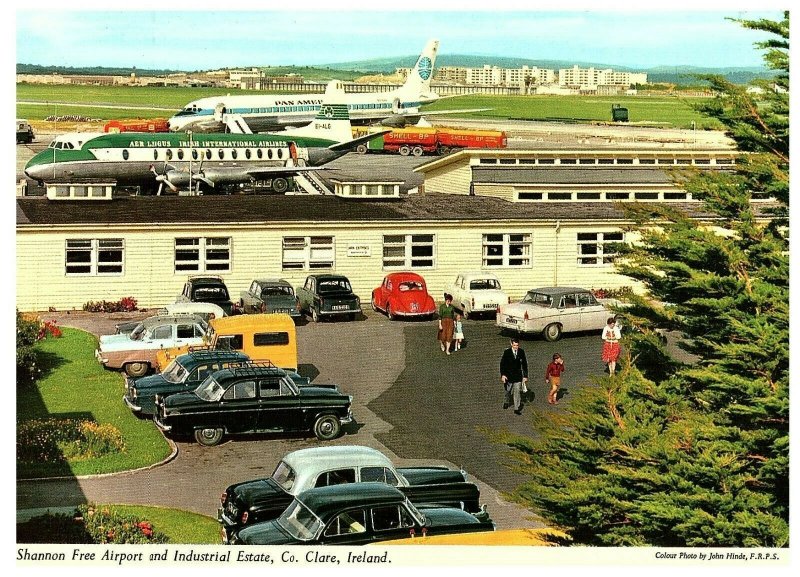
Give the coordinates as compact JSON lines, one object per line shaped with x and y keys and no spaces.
{"x":349,"y":495}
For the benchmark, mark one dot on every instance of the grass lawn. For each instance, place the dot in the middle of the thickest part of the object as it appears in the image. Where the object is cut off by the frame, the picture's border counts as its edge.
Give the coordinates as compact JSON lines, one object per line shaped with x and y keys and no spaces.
{"x":667,"y":111}
{"x":75,"y":385}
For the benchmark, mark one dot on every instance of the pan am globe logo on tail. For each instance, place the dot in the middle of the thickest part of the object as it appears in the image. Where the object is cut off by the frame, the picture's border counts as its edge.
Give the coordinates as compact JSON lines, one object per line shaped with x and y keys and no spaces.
{"x":425,"y":67}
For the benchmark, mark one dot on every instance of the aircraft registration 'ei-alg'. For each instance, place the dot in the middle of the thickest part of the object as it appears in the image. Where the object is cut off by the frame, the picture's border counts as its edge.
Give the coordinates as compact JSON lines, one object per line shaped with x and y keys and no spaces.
{"x":150,"y":160}
{"x":263,"y":112}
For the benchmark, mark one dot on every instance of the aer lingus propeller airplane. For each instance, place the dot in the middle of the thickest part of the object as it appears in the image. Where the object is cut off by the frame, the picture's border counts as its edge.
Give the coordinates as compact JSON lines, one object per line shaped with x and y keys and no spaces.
{"x":178,"y":160}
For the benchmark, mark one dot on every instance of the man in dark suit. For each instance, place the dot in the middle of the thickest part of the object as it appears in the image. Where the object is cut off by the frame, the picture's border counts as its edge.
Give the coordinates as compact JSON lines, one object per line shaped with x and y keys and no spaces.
{"x":513,"y":373}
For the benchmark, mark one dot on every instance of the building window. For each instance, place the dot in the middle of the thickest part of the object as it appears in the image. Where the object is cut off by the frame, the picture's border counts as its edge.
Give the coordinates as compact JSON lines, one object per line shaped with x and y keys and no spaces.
{"x":203,"y":254}
{"x":408,"y":251}
{"x":595,"y":248}
{"x":506,"y":250}
{"x":308,"y":252}
{"x":94,"y":256}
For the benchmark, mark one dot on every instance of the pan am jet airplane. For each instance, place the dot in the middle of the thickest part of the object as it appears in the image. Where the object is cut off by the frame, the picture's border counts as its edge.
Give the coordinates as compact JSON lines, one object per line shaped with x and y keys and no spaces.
{"x":274,"y":112}
{"x":205,"y":160}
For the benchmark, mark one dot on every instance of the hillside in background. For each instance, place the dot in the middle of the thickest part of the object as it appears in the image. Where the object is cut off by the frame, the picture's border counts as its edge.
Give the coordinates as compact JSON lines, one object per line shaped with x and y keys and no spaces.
{"x":349,"y":71}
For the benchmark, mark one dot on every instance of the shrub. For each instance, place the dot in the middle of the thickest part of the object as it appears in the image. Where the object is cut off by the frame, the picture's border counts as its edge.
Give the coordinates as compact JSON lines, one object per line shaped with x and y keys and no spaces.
{"x":65,"y":440}
{"x":49,"y":328}
{"x":104,"y":525}
{"x":27,"y":335}
{"x":125,"y":304}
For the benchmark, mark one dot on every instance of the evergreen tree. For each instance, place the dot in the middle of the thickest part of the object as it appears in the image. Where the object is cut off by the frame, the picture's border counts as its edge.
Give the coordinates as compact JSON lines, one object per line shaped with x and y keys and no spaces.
{"x":695,"y":453}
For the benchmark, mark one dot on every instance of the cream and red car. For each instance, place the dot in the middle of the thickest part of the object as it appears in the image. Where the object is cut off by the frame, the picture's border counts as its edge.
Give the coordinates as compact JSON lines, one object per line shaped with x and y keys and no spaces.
{"x":136,"y":352}
{"x":553,"y":311}
{"x":403,"y":294}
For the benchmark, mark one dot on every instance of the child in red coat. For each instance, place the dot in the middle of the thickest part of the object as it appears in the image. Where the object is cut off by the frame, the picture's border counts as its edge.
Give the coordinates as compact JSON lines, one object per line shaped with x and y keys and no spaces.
{"x":553,"y":377}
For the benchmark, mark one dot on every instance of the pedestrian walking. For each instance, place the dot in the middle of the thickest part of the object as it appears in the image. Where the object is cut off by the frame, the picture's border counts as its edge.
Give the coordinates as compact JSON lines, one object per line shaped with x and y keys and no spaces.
{"x":458,"y":332}
{"x":553,"y":377}
{"x":611,"y":337}
{"x":513,"y":374}
{"x":446,"y":316}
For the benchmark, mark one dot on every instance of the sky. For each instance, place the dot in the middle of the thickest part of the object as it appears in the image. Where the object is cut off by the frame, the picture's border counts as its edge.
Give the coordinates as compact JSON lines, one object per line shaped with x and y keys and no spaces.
{"x":208,"y":38}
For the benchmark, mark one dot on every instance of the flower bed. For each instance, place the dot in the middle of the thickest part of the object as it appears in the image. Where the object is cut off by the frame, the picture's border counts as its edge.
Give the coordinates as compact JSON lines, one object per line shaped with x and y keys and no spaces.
{"x":66,"y":440}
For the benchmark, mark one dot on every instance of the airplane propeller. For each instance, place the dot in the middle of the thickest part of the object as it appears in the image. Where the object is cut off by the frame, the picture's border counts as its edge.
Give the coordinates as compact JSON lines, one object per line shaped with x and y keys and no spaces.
{"x":162,"y":178}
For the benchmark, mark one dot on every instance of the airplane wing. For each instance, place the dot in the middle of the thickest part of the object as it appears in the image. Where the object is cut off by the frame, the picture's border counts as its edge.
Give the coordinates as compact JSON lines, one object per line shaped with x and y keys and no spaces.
{"x":352,"y":144}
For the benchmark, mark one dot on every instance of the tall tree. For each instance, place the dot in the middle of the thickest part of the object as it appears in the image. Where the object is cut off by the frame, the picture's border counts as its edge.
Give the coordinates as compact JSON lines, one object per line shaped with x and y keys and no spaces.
{"x":691,"y":453}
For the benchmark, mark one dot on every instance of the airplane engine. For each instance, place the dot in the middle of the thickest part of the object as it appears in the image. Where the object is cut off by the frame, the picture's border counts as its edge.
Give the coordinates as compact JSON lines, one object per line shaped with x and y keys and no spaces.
{"x":394,"y":121}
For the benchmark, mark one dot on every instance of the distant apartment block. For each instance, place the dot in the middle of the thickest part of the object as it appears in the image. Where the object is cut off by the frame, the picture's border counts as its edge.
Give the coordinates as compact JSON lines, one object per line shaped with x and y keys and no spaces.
{"x":591,"y":78}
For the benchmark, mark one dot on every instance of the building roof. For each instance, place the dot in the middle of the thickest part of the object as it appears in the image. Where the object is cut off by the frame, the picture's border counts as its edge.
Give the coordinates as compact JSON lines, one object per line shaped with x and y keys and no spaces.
{"x":255,"y":209}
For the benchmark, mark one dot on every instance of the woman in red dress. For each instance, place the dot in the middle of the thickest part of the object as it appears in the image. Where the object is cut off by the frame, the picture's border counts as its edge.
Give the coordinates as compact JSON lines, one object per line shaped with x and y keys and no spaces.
{"x":611,"y":349}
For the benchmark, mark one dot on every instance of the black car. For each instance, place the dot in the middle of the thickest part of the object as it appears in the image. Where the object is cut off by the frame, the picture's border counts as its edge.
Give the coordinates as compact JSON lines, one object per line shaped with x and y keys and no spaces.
{"x":256,"y":398}
{"x":208,"y":289}
{"x":357,"y":514}
{"x":326,"y":295}
{"x":183,"y":374}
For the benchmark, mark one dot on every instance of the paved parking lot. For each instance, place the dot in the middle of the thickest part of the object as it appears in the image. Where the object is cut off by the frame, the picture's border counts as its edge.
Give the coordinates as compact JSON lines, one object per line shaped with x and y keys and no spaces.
{"x":411,"y":401}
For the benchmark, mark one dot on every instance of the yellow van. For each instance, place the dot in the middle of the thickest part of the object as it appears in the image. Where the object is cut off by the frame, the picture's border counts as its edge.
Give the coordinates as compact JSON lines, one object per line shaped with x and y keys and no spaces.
{"x":262,"y":337}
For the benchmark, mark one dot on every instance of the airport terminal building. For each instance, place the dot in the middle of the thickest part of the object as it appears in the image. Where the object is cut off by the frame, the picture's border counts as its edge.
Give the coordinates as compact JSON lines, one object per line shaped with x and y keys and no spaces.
{"x":533,"y":218}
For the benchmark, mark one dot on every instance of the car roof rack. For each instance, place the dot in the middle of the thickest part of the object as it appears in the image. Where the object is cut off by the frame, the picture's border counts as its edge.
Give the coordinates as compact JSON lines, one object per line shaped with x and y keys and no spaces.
{"x":252,"y":368}
{"x":201,"y":352}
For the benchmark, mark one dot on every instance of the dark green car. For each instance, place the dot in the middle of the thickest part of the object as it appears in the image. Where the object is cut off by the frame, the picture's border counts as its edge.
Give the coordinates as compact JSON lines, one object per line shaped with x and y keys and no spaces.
{"x":254,"y":398}
{"x":357,"y":514}
{"x":183,"y":374}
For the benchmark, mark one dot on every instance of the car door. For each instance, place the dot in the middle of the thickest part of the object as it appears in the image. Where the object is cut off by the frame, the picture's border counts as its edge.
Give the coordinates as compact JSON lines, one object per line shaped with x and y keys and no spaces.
{"x":279,"y":406}
{"x":390,"y":522}
{"x":348,"y":527}
{"x":188,"y":334}
{"x":570,"y":314}
{"x":162,"y":336}
{"x":458,"y":293}
{"x":238,"y":409}
{"x":593,"y":314}
{"x":386,"y":290}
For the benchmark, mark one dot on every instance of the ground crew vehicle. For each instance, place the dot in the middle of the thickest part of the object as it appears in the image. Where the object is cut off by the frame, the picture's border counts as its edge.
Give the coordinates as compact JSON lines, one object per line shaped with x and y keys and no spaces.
{"x":262,"y":337}
{"x":137,"y":125}
{"x":24,"y":131}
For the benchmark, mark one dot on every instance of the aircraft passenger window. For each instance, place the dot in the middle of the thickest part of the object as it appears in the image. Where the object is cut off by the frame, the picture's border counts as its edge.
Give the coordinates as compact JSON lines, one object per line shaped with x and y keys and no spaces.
{"x":125,"y":154}
{"x":180,"y":154}
{"x":194,"y":153}
{"x":169,"y":154}
{"x":208,"y":154}
{"x":280,"y":153}
{"x":247,"y":153}
{"x":259,"y":153}
{"x":155,"y":154}
{"x":233,"y":154}
{"x":221,"y":154}
{"x":269,"y":153}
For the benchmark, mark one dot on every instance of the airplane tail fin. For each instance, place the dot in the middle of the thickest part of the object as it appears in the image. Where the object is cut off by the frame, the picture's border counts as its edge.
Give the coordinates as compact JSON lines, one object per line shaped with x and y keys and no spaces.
{"x":418,"y":83}
{"x":333,"y":119}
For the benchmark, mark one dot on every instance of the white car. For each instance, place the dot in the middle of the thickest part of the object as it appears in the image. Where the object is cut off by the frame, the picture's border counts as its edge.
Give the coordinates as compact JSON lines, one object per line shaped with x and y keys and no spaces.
{"x":553,"y":311}
{"x":477,"y":293}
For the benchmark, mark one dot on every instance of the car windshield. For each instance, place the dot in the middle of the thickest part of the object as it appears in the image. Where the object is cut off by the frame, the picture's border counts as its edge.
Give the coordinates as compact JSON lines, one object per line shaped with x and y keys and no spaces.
{"x":334,"y":285}
{"x":539,"y":299}
{"x":175,"y":372}
{"x":210,"y":389}
{"x":300,"y":522}
{"x":410,"y":285}
{"x":137,"y":333}
{"x":211,"y":293}
{"x":484,"y":284}
{"x":284,"y":476}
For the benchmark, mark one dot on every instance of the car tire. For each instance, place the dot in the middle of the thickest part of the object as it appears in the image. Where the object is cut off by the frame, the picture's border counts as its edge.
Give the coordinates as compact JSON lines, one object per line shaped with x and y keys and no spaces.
{"x":327,"y":427}
{"x":391,"y":316}
{"x":404,"y":150}
{"x":314,"y":315}
{"x":361,"y":149}
{"x":417,"y":151}
{"x":208,"y":437}
{"x":465,"y":313}
{"x":136,"y":370}
{"x":373,"y":305}
{"x":280,"y":185}
{"x":552,"y":332}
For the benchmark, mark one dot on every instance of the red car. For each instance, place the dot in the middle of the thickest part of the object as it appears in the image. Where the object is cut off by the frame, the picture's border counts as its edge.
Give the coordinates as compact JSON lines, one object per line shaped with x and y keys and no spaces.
{"x":403,"y":294}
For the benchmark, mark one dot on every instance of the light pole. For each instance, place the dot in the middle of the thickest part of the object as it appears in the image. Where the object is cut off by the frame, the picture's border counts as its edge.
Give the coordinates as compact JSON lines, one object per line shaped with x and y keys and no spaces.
{"x":191,"y":150}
